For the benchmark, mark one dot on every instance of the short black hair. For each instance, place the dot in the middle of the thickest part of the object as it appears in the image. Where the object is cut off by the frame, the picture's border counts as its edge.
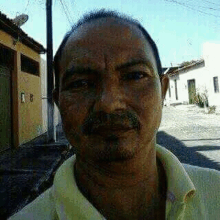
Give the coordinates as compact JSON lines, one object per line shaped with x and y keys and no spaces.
{"x":104,"y":14}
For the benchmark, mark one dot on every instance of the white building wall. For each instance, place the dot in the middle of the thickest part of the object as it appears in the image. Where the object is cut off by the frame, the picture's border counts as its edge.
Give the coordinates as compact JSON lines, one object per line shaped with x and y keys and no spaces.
{"x":211,"y":53}
{"x":170,"y":95}
{"x":203,"y":78}
{"x":199,"y":74}
{"x":44,"y":98}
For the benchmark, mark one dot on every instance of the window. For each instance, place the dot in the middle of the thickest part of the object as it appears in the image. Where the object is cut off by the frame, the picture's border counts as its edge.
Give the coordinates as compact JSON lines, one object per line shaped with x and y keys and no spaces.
{"x":29,"y":66}
{"x":216,"y":85}
{"x":6,"y":57}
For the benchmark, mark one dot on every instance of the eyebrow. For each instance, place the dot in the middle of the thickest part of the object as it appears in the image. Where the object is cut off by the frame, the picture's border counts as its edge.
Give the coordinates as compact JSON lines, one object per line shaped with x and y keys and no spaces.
{"x":78,"y":70}
{"x":88,"y":70}
{"x":135,"y":62}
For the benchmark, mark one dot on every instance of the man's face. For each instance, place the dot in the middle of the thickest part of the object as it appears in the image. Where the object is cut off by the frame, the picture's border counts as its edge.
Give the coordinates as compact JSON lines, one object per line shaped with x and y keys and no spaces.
{"x":109,"y":95}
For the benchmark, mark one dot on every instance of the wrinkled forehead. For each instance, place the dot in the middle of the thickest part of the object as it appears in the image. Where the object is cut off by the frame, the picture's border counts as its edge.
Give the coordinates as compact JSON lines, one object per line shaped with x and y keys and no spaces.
{"x":107,"y":36}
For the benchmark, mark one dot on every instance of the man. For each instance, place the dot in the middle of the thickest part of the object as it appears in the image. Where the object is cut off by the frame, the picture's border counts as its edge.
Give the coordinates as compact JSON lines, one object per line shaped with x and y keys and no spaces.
{"x":110,"y":91}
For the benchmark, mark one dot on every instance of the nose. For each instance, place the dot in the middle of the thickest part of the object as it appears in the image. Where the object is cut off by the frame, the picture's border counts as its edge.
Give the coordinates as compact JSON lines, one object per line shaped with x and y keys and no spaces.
{"x":110,"y":98}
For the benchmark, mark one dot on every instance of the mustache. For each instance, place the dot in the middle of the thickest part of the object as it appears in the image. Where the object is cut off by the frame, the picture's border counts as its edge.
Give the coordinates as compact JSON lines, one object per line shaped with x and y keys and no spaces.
{"x":96,"y":120}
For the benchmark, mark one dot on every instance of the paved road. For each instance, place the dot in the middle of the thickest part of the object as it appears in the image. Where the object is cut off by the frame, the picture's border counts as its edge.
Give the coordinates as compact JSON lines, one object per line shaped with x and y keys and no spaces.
{"x":27,"y":171}
{"x":192,"y":134}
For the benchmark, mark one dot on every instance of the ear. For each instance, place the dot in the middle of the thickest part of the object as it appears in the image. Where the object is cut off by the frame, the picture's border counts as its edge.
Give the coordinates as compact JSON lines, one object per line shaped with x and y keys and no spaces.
{"x":56,"y":96}
{"x":164,"y":80}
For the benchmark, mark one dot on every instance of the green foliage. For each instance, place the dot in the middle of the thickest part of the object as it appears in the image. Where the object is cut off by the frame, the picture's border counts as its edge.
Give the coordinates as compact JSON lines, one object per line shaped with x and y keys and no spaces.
{"x":201,"y":99}
{"x":211,"y":109}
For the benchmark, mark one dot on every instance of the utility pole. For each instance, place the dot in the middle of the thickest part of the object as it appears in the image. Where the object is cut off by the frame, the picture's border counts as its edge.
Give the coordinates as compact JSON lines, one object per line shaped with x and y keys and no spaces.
{"x":50,"y":82}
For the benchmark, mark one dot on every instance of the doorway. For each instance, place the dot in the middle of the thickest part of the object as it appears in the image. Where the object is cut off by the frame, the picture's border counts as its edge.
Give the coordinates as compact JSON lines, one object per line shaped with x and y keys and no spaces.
{"x":6,"y":116}
{"x":5,"y":109}
{"x":191,"y":90}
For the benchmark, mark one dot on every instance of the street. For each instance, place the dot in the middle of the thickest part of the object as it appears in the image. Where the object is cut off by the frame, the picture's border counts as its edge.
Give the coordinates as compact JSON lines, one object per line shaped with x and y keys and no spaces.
{"x":191,"y":134}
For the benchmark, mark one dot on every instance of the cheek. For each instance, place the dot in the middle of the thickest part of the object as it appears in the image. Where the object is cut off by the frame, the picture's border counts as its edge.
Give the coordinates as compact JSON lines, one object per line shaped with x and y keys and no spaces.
{"x":147,"y":102}
{"x":73,"y":110}
{"x":147,"y":97}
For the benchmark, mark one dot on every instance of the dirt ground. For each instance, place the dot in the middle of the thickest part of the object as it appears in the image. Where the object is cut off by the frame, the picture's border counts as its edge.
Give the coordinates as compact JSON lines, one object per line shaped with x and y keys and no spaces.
{"x":188,"y":128}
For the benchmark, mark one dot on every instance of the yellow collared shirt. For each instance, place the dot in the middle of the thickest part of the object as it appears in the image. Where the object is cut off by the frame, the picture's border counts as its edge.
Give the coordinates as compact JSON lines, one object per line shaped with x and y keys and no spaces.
{"x":192,"y":193}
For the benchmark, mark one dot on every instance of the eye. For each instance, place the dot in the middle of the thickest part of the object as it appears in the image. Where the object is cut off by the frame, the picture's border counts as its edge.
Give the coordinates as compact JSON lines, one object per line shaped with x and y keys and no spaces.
{"x":134,"y":76}
{"x":81,"y":83}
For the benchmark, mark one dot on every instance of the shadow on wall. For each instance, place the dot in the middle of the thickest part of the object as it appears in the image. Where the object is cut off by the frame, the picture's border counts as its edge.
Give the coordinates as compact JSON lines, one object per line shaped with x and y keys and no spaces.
{"x":188,"y":155}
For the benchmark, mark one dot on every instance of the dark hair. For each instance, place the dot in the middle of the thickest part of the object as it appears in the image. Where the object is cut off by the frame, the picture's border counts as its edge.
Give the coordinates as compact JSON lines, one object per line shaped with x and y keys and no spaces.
{"x":97,"y":15}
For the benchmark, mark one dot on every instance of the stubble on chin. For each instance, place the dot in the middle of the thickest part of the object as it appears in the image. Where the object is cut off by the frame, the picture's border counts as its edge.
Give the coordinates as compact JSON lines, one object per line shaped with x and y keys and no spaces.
{"x":115,"y":150}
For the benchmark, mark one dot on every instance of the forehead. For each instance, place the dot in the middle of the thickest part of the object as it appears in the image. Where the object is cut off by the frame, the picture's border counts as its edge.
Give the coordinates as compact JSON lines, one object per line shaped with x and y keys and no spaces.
{"x":106,"y":38}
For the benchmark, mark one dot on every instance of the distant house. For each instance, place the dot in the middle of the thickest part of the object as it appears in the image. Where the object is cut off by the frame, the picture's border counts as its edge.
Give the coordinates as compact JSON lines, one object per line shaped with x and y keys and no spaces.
{"x":20,"y":85}
{"x":198,"y":77}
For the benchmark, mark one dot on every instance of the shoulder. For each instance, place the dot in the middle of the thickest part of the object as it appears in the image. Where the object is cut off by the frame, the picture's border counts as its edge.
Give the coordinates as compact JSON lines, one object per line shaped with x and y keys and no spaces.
{"x":41,"y":208}
{"x":44,"y":206}
{"x":207,"y":194}
{"x":204,"y":179}
{"x":199,"y":173}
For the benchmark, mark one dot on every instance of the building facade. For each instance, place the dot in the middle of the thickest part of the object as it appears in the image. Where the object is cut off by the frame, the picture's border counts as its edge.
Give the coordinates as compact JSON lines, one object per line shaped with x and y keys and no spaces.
{"x":200,"y":77}
{"x":20,"y":86}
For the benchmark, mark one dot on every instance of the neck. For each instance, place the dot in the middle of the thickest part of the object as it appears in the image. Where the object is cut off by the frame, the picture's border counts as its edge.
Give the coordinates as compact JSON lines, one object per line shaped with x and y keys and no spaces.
{"x":123,"y":189}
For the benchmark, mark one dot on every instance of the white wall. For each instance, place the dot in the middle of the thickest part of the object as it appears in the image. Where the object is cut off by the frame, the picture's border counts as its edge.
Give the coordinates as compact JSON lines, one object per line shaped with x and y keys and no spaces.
{"x":211,"y":53}
{"x":44,"y":96}
{"x":197,"y":73}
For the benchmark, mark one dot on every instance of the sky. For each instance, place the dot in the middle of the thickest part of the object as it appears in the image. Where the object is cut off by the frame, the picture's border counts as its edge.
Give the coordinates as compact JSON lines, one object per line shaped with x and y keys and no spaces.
{"x":179,"y":28}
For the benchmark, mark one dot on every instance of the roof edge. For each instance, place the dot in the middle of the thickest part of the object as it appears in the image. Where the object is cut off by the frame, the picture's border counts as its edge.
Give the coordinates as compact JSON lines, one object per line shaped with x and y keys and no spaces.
{"x":9,"y":27}
{"x":175,"y":70}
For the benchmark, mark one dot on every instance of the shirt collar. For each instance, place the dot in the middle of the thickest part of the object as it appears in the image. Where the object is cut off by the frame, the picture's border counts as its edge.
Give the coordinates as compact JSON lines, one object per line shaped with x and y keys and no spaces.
{"x":69,"y":201}
{"x":179,"y":184}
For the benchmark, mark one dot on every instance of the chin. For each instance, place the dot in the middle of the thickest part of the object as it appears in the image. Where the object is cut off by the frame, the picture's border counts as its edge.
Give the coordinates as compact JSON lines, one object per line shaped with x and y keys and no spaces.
{"x":116,"y":156}
{"x":109,"y":148}
{"x":116,"y":150}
